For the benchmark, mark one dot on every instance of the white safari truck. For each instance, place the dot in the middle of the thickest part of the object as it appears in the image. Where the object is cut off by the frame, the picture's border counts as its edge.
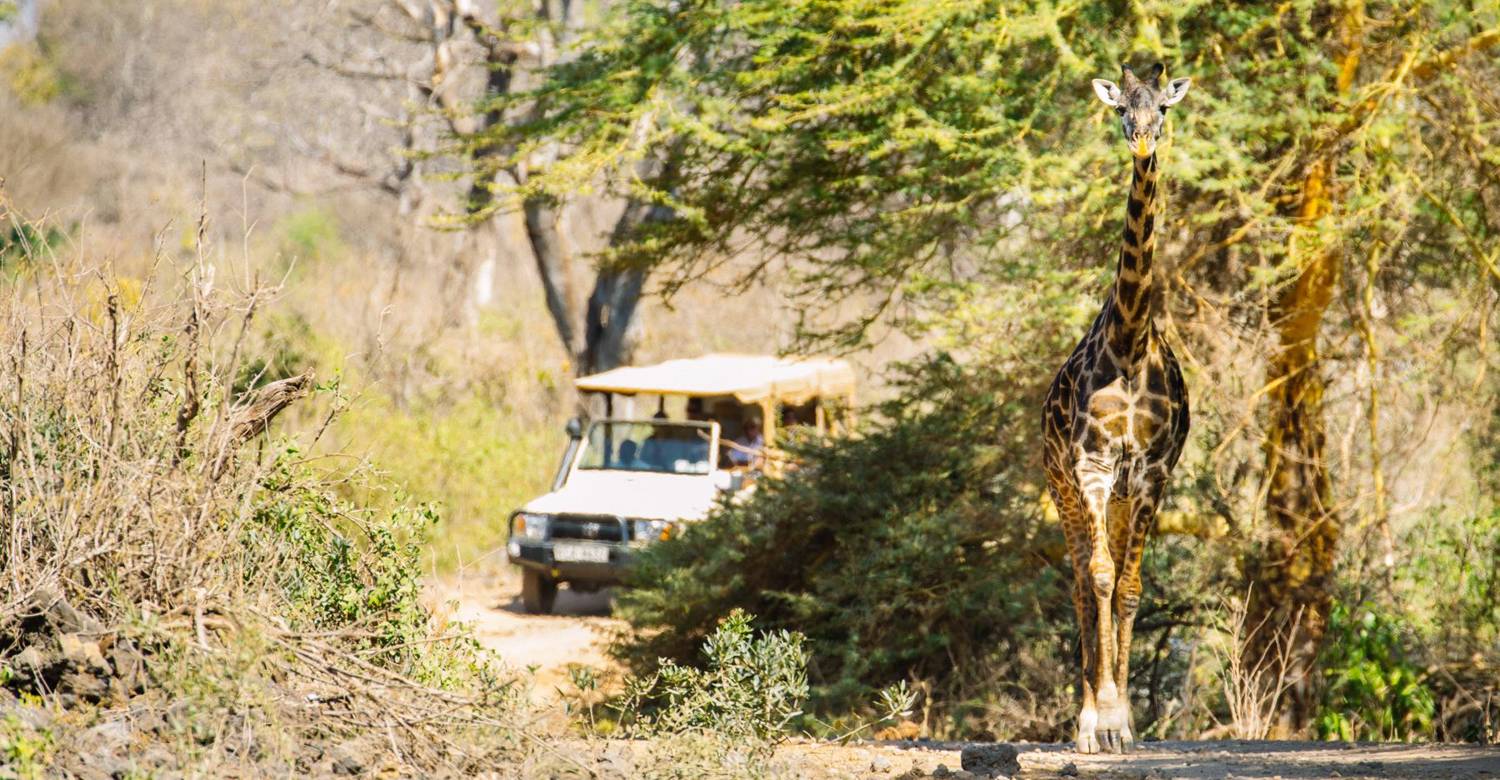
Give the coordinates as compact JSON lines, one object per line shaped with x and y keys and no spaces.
{"x":673,"y":438}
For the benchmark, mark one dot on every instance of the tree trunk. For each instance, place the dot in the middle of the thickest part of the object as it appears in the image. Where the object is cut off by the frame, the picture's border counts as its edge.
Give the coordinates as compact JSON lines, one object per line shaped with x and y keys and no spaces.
{"x":1291,"y":571}
{"x":554,"y":264}
{"x":610,"y":327}
{"x":610,"y":330}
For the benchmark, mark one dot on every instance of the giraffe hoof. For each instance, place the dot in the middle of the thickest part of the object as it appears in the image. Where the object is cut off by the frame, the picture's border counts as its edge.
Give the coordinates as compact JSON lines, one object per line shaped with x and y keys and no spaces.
{"x":1109,"y":740}
{"x":1088,"y":743}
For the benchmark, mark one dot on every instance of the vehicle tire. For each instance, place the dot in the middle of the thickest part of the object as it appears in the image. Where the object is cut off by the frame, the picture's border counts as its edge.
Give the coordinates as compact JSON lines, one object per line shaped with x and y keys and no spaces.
{"x":538,"y":591}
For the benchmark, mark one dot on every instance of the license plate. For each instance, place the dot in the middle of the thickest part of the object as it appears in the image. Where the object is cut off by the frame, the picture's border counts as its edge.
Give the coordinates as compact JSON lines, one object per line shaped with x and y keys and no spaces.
{"x":581,"y":553}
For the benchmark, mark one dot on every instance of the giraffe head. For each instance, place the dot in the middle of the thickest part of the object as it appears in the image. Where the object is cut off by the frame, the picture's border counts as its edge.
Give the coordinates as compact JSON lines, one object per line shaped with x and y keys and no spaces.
{"x":1141,"y":104}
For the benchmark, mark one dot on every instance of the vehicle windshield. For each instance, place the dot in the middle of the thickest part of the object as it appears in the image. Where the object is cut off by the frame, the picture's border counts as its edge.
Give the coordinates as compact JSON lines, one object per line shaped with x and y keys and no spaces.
{"x":662,"y":447}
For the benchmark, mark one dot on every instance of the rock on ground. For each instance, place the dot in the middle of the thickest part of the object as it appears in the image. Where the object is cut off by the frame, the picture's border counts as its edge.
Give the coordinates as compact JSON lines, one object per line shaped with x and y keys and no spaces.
{"x":990,"y":760}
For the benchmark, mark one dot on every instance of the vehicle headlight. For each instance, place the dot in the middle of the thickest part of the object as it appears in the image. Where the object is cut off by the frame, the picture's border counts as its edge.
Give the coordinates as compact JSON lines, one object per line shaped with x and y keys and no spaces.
{"x":530,"y":527}
{"x":653,"y":530}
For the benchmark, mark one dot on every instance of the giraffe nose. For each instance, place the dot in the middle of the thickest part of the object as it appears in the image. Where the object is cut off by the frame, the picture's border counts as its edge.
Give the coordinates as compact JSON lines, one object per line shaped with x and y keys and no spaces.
{"x":1141,"y":148}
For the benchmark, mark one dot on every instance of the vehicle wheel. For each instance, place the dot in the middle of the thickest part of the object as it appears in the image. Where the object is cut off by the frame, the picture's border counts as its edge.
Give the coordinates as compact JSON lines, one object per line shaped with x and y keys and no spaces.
{"x":538,"y":591}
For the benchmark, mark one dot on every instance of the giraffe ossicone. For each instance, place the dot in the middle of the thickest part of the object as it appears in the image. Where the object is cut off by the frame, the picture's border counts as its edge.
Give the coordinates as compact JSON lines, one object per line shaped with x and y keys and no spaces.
{"x":1114,"y":423}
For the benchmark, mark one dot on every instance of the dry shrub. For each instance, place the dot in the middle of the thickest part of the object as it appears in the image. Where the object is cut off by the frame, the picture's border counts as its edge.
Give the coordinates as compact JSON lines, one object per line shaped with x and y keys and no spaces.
{"x":1254,"y":681}
{"x":154,"y":520}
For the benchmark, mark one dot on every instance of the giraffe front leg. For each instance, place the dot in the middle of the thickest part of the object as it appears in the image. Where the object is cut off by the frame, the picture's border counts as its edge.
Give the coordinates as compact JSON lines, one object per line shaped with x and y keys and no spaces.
{"x":1097,"y":485}
{"x":1128,"y":594}
{"x":1075,"y":525}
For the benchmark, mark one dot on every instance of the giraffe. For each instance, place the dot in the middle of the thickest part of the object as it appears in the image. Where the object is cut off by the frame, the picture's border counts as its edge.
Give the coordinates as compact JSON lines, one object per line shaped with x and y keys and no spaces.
{"x":1113,"y":424}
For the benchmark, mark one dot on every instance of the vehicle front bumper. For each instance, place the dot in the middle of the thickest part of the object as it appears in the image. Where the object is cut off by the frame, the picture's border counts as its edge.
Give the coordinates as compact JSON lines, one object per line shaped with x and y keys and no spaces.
{"x":538,"y":556}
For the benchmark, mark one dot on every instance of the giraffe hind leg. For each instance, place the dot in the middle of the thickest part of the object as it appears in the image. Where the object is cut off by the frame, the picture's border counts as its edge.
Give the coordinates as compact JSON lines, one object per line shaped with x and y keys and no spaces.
{"x":1116,"y":718}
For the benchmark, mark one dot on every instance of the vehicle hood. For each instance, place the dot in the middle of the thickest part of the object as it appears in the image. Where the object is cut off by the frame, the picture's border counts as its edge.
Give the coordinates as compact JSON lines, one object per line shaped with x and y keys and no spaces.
{"x":635,"y":495}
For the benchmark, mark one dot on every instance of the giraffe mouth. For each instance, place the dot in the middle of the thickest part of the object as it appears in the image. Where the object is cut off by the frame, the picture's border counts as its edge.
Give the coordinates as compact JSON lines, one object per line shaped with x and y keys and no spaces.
{"x":1141,"y":149}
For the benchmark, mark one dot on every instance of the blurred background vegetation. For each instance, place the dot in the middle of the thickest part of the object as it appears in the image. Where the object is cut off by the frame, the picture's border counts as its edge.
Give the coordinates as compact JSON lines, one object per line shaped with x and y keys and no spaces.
{"x":461,"y":206}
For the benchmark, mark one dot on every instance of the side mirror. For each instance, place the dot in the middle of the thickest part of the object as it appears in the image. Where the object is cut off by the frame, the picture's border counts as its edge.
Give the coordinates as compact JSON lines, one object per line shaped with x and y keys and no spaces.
{"x":574,"y":428}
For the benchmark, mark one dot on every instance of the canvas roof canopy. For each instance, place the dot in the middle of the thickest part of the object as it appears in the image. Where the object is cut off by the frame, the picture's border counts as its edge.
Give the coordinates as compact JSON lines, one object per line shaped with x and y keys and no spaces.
{"x":749,"y":378}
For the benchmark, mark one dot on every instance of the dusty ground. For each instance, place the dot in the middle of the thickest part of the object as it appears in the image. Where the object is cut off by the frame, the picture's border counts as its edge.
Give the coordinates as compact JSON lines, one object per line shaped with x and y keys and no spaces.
{"x":575,"y":634}
{"x":578,"y":631}
{"x":1196,"y":760}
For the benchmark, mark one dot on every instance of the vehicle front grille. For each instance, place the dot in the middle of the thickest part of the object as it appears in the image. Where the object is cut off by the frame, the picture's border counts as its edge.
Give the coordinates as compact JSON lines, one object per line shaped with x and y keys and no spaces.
{"x":601,"y":528}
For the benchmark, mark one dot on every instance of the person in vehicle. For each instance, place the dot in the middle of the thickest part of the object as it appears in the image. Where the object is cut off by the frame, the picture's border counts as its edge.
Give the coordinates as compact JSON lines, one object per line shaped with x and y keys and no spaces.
{"x":627,"y":454}
{"x":674,"y":448}
{"x":654,"y":452}
{"x":749,"y":445}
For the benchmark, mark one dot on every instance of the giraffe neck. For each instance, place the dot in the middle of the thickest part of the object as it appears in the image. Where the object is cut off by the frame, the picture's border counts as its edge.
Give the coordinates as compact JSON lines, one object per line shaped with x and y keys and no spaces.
{"x":1128,"y":316}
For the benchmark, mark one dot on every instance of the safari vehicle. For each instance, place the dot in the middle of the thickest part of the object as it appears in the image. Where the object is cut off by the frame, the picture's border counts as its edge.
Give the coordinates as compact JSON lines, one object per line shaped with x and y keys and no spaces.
{"x":629,"y":479}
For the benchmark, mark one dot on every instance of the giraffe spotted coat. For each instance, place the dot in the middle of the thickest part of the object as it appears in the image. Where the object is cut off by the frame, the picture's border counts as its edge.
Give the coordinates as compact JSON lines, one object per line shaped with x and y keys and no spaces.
{"x":1114,"y":423}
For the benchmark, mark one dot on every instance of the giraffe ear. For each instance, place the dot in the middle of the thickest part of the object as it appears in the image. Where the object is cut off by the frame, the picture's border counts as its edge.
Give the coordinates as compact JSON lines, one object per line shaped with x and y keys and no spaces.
{"x":1177,"y":90}
{"x":1108,"y":93}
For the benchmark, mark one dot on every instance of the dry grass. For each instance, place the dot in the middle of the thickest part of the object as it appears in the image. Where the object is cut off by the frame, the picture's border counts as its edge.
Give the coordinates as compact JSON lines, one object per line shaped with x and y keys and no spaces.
{"x":1253,"y":683}
{"x":141,"y":491}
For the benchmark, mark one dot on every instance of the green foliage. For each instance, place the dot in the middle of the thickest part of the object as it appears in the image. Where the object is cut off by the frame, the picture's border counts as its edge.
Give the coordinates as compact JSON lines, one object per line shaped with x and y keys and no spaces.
{"x":340,"y":566}
{"x":310,"y":234}
{"x":750,"y":689}
{"x":475,"y":459}
{"x":876,"y":141}
{"x":25,"y":753}
{"x":1458,"y":566}
{"x":286,"y":352}
{"x":30,"y":74}
{"x":24,"y":241}
{"x":1374,"y":689}
{"x":1451,"y":595}
{"x":918,"y":550}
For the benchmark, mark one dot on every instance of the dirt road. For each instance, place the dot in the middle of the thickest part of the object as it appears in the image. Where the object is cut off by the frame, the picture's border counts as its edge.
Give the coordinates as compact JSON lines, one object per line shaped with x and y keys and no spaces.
{"x":578,"y":632}
{"x":1190,"y":760}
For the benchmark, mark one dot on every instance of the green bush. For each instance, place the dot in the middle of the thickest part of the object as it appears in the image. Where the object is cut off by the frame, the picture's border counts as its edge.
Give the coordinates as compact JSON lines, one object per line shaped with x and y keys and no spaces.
{"x":1451,"y":595}
{"x":23,"y":242}
{"x":30,"y":74}
{"x":749,"y":689}
{"x":475,"y":460}
{"x":1374,"y":689}
{"x":342,"y":566}
{"x":918,"y":551}
{"x":25,"y":752}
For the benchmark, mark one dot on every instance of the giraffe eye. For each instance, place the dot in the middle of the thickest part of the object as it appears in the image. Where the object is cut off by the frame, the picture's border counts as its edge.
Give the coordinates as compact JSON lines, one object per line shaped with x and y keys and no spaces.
{"x":1120,"y":110}
{"x":1163,"y":110}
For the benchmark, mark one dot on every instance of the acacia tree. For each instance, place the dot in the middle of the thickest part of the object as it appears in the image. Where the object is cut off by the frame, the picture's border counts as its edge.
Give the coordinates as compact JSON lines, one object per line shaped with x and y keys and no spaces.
{"x":889,"y":150}
{"x":1351,"y":192}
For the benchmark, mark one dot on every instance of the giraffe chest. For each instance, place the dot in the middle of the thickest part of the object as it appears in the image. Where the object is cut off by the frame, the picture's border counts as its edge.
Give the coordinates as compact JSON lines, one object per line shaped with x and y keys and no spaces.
{"x":1128,"y":413}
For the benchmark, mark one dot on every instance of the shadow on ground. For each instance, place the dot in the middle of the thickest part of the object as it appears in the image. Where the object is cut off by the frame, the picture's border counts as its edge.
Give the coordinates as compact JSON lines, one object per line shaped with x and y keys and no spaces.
{"x":570,"y":603}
